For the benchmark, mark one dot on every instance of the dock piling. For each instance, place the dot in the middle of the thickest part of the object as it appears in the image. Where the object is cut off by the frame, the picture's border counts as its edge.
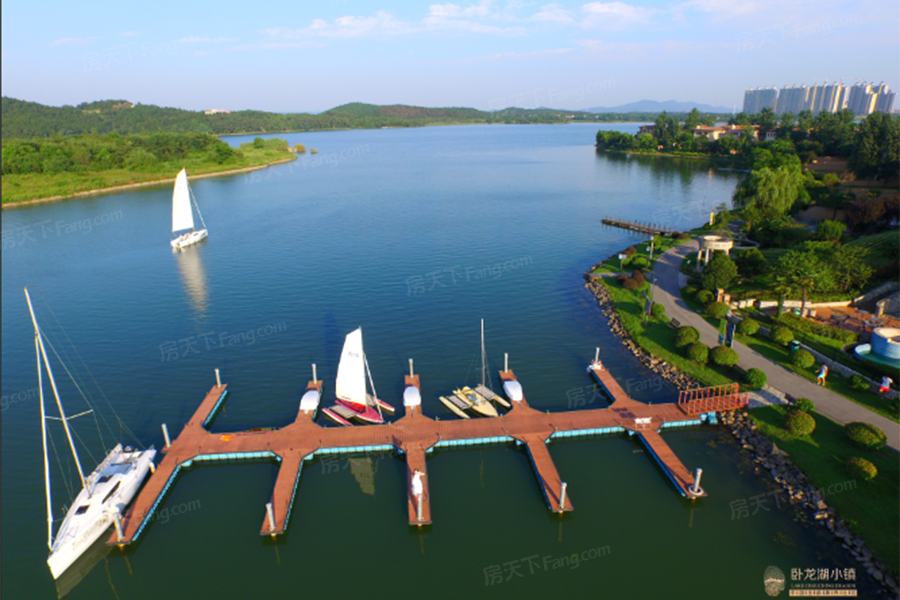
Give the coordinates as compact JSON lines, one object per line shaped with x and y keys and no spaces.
{"x":117,"y":520}
{"x":218,"y":379}
{"x":695,"y":488}
{"x":419,"y":506}
{"x":166,"y":435}
{"x":314,"y":374}
{"x":562,"y":497}
{"x":505,"y":361}
{"x":152,"y":468}
{"x":411,"y":374}
{"x":271,"y":515}
{"x":597,"y":355}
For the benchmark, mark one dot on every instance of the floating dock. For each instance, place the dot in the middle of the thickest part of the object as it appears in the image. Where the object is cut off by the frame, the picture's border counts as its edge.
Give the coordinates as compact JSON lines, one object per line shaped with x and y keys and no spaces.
{"x":415,"y":435}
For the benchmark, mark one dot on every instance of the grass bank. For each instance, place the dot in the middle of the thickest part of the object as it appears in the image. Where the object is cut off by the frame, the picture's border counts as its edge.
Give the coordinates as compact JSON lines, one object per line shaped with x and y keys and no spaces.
{"x":872,"y":508}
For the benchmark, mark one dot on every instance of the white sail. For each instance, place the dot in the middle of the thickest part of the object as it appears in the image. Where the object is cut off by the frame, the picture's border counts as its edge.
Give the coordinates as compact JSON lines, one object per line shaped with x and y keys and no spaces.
{"x":351,"y":376}
{"x":182,"y":216}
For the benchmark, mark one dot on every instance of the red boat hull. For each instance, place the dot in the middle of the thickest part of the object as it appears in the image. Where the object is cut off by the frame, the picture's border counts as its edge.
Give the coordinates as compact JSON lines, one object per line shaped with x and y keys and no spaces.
{"x":366,"y":414}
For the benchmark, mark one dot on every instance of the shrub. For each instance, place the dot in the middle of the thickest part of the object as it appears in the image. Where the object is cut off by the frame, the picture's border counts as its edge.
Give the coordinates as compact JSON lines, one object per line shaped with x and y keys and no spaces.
{"x":698,"y":352}
{"x":639,"y":262}
{"x":685,"y":336}
{"x":781,"y":335}
{"x":657,"y":310}
{"x":865,"y":435}
{"x":621,"y":277}
{"x":830,"y":230}
{"x":802,"y":359}
{"x":895,"y":405}
{"x":630,"y":251}
{"x":805,"y":404}
{"x":756,"y":378}
{"x":717,"y":309}
{"x":689,"y":291}
{"x":860,"y":468}
{"x":682,"y":236}
{"x":631,"y":284}
{"x":719,"y":273}
{"x":704,"y":297}
{"x":724,"y":356}
{"x":750,"y":263}
{"x":858,"y":382}
{"x":799,"y":423}
{"x":639,"y":276}
{"x":748,"y":327}
{"x":802,"y":325}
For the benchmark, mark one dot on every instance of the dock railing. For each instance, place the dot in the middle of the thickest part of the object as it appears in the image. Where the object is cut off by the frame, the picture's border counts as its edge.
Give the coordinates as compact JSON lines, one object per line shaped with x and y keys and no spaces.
{"x":712,"y":399}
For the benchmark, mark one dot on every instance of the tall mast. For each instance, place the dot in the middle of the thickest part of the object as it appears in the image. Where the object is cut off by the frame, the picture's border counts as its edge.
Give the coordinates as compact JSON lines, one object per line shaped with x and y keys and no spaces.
{"x":372,"y":383}
{"x":37,"y":355}
{"x":482,"y":353}
{"x":62,"y":412}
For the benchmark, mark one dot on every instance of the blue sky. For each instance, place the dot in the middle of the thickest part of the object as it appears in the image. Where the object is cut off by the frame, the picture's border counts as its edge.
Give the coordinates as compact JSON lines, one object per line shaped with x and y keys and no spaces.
{"x":311,"y":56}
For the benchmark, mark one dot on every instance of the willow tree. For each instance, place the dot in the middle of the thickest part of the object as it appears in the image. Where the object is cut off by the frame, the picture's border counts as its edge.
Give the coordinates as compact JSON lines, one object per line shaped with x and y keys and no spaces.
{"x":803,"y":270}
{"x":767,"y":194}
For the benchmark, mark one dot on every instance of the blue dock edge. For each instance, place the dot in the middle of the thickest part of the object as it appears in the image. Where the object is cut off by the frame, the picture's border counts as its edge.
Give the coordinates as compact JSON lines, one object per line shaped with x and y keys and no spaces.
{"x":663,"y":465}
{"x":500,"y":439}
{"x":586,"y":432}
{"x":215,"y":410}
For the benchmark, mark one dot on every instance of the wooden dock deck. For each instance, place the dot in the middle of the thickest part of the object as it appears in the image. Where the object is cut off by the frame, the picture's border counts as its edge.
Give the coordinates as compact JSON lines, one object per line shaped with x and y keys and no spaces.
{"x":639,"y":226}
{"x":413,"y":435}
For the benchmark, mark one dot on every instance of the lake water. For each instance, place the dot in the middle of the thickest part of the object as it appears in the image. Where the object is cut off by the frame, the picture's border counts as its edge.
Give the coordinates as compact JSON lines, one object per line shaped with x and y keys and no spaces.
{"x":414,"y":235}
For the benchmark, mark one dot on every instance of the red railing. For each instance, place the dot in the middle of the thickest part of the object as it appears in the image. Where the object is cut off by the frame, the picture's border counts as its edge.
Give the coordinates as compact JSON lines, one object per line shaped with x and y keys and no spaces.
{"x":712,"y":399}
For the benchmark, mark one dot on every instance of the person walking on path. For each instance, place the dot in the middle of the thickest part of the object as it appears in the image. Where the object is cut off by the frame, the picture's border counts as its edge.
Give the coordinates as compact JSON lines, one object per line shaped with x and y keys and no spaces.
{"x":823,"y":373}
{"x":885,"y":385}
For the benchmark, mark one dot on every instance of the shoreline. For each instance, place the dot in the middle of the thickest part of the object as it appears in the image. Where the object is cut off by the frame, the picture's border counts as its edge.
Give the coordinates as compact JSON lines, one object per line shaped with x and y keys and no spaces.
{"x":131,"y":186}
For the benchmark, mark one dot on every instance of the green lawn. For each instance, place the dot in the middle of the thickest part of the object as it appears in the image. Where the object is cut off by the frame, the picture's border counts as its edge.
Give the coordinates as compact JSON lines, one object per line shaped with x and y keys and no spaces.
{"x":872,"y":509}
{"x":660,"y":245}
{"x":834,"y":382}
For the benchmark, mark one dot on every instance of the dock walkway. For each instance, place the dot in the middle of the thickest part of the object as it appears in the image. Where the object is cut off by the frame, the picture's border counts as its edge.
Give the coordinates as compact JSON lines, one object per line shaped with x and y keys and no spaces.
{"x":413,"y":435}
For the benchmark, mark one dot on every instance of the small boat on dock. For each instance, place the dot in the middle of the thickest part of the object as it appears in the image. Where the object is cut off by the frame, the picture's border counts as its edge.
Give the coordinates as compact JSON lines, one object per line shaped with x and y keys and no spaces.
{"x":491,"y":396}
{"x":455,"y":405}
{"x":477,"y":403}
{"x":353,"y":401}
{"x":183,"y":214}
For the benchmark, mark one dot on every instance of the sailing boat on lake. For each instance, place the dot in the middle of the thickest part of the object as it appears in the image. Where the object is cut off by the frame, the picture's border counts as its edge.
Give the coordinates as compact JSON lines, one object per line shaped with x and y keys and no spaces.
{"x":105,"y":493}
{"x":183,"y":214}
{"x":353,"y":401}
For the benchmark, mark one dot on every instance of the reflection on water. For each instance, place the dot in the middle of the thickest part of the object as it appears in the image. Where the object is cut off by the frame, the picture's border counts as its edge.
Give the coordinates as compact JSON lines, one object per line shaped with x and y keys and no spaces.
{"x":192,"y":274}
{"x":364,"y":469}
{"x":82,"y":566}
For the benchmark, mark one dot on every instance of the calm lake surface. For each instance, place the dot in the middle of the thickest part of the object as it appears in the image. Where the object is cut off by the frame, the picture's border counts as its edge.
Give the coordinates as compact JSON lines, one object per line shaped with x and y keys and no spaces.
{"x":414,"y":235}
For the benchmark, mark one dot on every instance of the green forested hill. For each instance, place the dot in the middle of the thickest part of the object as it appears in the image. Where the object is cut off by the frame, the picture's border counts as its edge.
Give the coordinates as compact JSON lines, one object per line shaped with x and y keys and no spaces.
{"x":23,"y":119}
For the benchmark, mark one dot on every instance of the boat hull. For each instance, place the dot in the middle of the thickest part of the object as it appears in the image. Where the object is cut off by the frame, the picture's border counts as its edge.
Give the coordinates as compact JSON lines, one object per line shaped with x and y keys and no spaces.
{"x":366,"y":414}
{"x":79,"y":531}
{"x":189,"y":239}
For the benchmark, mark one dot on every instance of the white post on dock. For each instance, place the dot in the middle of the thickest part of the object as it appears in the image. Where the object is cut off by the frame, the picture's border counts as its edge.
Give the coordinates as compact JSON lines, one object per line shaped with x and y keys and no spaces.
{"x":271,"y":514}
{"x":411,"y":374}
{"x":218,"y":379}
{"x":152,"y":467}
{"x":314,"y":374}
{"x":117,"y":519}
{"x":695,"y":489}
{"x":505,"y":361}
{"x":597,"y":354}
{"x":419,"y":507}
{"x":166,"y":435}
{"x":562,"y":497}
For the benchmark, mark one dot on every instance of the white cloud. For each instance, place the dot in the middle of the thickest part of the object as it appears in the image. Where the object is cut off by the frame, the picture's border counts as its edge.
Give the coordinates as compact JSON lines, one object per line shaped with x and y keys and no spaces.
{"x":72,"y":41}
{"x":615,"y":14}
{"x":556,"y":13}
{"x":382,"y":24}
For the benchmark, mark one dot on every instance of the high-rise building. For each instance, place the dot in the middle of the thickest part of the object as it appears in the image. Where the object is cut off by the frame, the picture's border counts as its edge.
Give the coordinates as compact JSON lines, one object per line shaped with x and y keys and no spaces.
{"x":863,"y":98}
{"x":757,"y":99}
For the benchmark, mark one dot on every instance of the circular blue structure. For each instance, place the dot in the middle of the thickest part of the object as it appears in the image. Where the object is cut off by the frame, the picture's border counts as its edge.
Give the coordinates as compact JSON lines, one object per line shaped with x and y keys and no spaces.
{"x":883,"y":349}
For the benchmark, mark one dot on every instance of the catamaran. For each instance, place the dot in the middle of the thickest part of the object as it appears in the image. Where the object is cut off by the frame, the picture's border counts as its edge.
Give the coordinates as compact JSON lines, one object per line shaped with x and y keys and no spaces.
{"x":183,"y":214}
{"x":105,"y":493}
{"x":353,"y":401}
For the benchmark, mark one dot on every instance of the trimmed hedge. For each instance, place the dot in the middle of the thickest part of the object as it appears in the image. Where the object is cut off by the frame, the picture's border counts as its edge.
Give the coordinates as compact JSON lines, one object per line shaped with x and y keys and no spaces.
{"x":724,"y":356}
{"x":781,"y":335}
{"x":858,"y":382}
{"x":657,"y":311}
{"x":756,"y":378}
{"x":799,"y":423}
{"x":866,"y":436}
{"x":748,"y":327}
{"x":698,"y":352}
{"x":621,"y":277}
{"x":802,"y":358}
{"x":638,"y":262}
{"x":682,"y":236}
{"x":631,"y":284}
{"x":686,"y":336}
{"x":805,"y":404}
{"x":802,"y":325}
{"x":630,"y":251}
{"x":860,"y":468}
{"x":717,"y":309}
{"x":639,"y":276}
{"x":690,"y":291}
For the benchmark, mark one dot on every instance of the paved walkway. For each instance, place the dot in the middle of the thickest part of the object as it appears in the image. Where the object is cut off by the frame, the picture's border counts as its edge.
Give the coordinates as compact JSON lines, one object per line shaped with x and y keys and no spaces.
{"x":667,"y":291}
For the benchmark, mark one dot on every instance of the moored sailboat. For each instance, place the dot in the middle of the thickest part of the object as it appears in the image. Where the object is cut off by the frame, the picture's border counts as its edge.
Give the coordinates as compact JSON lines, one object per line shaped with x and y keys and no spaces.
{"x":353,"y":400}
{"x":105,"y":492}
{"x":183,"y":214}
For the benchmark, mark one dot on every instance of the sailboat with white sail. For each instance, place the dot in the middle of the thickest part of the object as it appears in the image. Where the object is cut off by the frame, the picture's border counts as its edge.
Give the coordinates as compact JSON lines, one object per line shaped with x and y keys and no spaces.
{"x":183,"y":214}
{"x":353,"y":400}
{"x":105,"y":493}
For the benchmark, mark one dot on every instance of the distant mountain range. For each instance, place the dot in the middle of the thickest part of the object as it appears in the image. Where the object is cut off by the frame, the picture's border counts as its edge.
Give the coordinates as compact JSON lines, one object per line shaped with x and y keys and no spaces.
{"x":656,"y":107}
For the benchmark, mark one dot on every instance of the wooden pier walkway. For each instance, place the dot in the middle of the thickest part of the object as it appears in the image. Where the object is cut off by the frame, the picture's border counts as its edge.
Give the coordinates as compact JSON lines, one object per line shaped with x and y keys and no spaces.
{"x":414,"y":435}
{"x":639,"y":226}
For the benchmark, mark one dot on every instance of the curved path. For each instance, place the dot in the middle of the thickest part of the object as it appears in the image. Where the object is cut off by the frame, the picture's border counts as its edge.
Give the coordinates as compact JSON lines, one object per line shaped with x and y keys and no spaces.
{"x":667,"y":291}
